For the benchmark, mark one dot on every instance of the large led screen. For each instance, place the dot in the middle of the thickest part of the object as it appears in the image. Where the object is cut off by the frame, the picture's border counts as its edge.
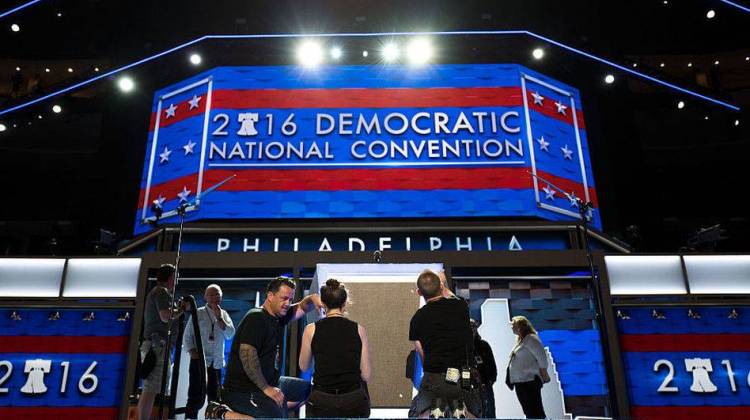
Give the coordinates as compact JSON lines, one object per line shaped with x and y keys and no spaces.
{"x":366,"y":142}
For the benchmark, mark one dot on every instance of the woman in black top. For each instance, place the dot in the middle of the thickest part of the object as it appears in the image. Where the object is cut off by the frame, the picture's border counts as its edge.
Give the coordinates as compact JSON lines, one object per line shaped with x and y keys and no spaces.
{"x":342,"y":359}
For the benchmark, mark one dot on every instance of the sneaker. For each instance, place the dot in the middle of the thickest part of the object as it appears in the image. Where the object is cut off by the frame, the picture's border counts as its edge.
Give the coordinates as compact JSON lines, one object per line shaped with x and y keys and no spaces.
{"x":216,"y":410}
{"x":458,"y":409}
{"x":438,"y":411}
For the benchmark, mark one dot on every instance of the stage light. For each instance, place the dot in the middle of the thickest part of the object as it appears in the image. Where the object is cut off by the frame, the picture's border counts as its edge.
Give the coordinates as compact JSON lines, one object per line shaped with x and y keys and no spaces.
{"x":47,"y":70}
{"x":56,"y":109}
{"x":336,"y":53}
{"x":706,"y":118}
{"x":635,"y":65}
{"x":15,"y":28}
{"x":3,"y":127}
{"x":747,"y":58}
{"x":538,"y":53}
{"x":419,"y":51}
{"x":126,"y":84}
{"x":716,"y":63}
{"x":390,"y":52}
{"x":365,"y":53}
{"x":18,"y":68}
{"x":70,"y":70}
{"x":690,"y":64}
{"x":736,"y":123}
{"x":609,"y":79}
{"x":680,"y":104}
{"x":96,"y":69}
{"x":195,"y":59}
{"x":711,"y":14}
{"x":39,"y":116}
{"x":665,"y":2}
{"x":59,"y":14}
{"x":310,"y":54}
{"x":661,"y":64}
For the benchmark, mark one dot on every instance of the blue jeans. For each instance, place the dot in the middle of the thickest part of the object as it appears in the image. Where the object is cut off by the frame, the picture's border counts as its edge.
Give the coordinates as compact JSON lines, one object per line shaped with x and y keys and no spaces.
{"x":257,"y":404}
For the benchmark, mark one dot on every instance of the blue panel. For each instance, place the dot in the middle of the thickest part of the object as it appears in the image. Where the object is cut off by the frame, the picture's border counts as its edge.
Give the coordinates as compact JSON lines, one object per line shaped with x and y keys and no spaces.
{"x":643,"y":382}
{"x":713,"y":321}
{"x":35,"y":322}
{"x":578,"y":359}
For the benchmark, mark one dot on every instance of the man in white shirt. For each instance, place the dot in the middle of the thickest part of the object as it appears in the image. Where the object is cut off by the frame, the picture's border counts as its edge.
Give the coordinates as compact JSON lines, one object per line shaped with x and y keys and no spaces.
{"x":215,"y":327}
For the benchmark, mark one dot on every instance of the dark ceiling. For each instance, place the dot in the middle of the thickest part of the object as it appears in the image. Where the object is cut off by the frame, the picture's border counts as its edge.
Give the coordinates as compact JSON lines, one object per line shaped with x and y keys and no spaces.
{"x":662,"y":173}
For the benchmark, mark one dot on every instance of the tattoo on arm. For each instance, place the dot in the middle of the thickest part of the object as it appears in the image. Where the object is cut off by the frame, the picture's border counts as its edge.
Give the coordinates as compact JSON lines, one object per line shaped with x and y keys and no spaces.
{"x":251,"y":365}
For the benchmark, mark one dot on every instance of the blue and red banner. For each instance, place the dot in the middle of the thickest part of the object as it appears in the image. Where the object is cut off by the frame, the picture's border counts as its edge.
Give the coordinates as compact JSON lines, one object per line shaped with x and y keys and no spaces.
{"x":367,"y":142}
{"x":687,"y":363}
{"x":67,"y":364}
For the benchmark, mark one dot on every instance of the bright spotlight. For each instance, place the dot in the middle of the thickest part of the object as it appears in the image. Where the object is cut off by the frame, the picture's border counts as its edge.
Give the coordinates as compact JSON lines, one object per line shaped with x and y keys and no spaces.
{"x":47,"y":70}
{"x":419,"y":51}
{"x":15,"y":28}
{"x":126,"y":84}
{"x":635,"y":64}
{"x":711,"y":14}
{"x":365,"y":53}
{"x":538,"y":53}
{"x":680,"y":104}
{"x":3,"y":128}
{"x":310,"y":54}
{"x":662,"y":64}
{"x":390,"y":52}
{"x":70,"y":70}
{"x":736,"y":123}
{"x":609,"y":79}
{"x":195,"y":59}
{"x":56,"y":109}
{"x":336,"y":53}
{"x":690,"y":64}
{"x":716,"y":63}
{"x":39,"y":116}
{"x":96,"y":69}
{"x":18,"y":68}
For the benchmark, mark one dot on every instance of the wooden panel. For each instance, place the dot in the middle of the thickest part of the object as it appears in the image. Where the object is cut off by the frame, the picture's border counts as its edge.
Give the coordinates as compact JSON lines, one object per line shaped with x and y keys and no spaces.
{"x":385,"y":309}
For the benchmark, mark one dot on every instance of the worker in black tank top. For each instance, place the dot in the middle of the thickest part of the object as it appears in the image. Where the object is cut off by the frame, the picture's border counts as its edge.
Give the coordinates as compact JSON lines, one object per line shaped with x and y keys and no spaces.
{"x":341,"y":357}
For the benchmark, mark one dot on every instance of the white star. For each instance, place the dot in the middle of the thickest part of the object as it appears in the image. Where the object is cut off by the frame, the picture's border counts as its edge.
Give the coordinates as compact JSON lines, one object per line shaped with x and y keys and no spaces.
{"x":159,"y":201}
{"x":165,"y":155}
{"x":170,"y":111}
{"x":538,"y":99}
{"x":184,"y":194}
{"x":549,"y":192}
{"x":573,"y":199}
{"x":568,"y":154}
{"x":189,"y":147}
{"x":561,"y":108}
{"x":194,"y":102}
{"x":543,"y":144}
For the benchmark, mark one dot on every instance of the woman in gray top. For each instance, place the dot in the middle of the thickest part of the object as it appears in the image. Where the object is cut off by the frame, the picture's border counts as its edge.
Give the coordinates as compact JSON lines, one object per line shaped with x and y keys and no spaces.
{"x":527,"y":368}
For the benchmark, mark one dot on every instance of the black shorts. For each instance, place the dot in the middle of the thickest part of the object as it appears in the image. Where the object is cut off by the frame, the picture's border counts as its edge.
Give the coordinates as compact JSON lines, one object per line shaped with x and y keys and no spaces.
{"x":434,"y":386}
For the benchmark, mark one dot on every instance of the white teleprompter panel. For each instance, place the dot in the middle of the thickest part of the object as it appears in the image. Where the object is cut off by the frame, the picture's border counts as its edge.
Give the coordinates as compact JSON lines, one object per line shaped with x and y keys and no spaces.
{"x":31,"y":277}
{"x":718,"y":274}
{"x":645,"y":275}
{"x":102,"y":277}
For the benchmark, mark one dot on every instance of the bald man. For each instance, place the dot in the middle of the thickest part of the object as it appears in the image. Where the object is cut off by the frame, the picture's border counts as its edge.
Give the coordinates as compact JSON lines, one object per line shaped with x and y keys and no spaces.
{"x":215,"y":327}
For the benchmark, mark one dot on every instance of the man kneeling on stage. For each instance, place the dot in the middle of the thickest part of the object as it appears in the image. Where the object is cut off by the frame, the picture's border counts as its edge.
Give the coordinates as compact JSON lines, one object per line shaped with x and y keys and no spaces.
{"x":443,"y":338}
{"x":253,"y":384}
